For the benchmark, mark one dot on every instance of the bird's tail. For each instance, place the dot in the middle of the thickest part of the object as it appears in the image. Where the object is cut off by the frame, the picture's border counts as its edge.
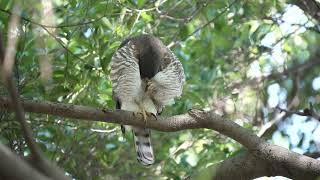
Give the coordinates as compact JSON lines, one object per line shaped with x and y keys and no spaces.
{"x":142,"y":143}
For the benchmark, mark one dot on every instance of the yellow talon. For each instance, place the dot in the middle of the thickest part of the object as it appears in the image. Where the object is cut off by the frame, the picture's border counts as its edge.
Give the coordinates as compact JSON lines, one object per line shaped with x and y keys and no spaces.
{"x":143,"y":112}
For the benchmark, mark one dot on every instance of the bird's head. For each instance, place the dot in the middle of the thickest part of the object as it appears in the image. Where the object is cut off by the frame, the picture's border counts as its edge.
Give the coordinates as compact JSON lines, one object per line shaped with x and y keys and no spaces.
{"x":151,"y":56}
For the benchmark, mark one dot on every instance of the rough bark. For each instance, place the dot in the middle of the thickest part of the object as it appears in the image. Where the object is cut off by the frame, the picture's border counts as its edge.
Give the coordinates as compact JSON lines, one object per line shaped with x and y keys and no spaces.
{"x":13,"y":167}
{"x":248,"y":166}
{"x":260,"y":153}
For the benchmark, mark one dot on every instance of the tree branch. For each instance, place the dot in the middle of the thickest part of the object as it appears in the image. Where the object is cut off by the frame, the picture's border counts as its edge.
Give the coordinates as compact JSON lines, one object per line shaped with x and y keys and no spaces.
{"x":299,"y":68}
{"x":6,"y":69}
{"x":45,"y":28}
{"x":13,"y":167}
{"x":306,"y":112}
{"x":193,"y":119}
{"x":175,"y":42}
{"x":271,"y":126}
{"x":61,"y":25}
{"x":247,"y":166}
{"x":7,"y":61}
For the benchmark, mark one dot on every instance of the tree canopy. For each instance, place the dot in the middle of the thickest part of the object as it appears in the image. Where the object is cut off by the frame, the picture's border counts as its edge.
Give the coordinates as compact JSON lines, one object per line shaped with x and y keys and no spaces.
{"x":255,"y":63}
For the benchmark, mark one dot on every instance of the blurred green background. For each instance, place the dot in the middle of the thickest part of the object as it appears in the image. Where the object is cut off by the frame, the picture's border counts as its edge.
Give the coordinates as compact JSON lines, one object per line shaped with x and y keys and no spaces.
{"x":241,"y":58}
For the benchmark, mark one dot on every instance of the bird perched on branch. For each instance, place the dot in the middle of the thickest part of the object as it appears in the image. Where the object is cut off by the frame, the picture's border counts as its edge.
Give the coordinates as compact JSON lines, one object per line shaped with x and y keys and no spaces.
{"x":145,"y":77}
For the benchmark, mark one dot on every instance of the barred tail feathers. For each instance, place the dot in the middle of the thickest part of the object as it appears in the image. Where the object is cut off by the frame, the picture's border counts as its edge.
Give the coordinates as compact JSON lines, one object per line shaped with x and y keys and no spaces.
{"x":142,"y":143}
{"x":141,"y":136}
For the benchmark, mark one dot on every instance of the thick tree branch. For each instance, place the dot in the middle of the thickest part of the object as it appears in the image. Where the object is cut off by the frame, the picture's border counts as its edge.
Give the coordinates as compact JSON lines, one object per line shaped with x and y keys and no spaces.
{"x":15,"y":168}
{"x":247,"y":166}
{"x":191,"y":120}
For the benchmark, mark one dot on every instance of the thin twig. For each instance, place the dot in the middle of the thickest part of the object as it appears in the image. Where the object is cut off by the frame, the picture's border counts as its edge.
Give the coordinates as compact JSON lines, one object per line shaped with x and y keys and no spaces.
{"x":182,"y":19}
{"x":211,"y":21}
{"x":58,"y":26}
{"x":45,"y":27}
{"x":269,"y":127}
{"x":203,"y":26}
{"x":287,"y":36}
{"x":299,"y":68}
{"x":62,"y":44}
{"x":310,"y":112}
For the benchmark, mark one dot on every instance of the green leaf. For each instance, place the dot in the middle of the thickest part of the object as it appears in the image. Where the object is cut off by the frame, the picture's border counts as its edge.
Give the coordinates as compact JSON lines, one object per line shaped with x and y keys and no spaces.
{"x":146,"y":17}
{"x":140,"y":3}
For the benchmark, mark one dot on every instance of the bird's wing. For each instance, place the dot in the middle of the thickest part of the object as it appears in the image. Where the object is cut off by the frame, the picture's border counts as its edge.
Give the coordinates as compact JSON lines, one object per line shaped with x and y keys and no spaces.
{"x":168,"y":83}
{"x":125,"y":74}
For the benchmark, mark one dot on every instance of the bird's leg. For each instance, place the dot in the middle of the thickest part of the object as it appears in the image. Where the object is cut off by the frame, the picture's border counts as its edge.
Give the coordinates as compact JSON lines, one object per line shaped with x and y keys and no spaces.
{"x":143,"y":112}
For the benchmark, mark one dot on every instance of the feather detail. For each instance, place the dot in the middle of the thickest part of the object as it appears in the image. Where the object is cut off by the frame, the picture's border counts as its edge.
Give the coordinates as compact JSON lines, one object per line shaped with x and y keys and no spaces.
{"x":142,"y":144}
{"x":141,"y":136}
{"x":145,"y":77}
{"x":168,"y":83}
{"x":128,"y":89}
{"x":125,"y":75}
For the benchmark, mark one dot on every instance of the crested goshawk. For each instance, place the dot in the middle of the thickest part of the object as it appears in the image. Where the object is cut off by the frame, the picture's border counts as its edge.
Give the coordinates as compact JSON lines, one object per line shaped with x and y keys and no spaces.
{"x":145,"y":77}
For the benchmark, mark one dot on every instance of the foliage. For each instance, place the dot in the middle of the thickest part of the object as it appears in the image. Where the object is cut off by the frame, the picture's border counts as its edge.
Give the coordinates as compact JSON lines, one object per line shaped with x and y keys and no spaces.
{"x":223,"y":45}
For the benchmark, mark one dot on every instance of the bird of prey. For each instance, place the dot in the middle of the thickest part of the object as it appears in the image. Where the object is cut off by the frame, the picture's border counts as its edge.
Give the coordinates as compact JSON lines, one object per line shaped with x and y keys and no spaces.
{"x":145,"y":77}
